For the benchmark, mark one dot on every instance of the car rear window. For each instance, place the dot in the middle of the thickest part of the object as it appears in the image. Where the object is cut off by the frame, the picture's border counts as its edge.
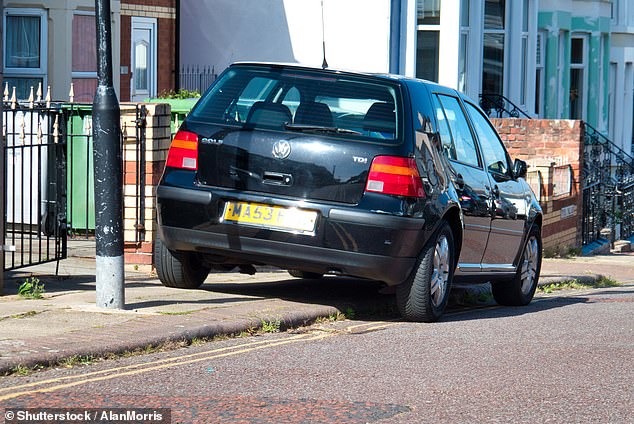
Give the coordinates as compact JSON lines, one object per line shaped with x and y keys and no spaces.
{"x":304,"y":100}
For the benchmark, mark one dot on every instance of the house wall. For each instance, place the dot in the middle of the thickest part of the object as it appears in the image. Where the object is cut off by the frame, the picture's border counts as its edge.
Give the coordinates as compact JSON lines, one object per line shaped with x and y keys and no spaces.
{"x":563,"y":19}
{"x":218,"y":33}
{"x":164,"y":11}
{"x":621,"y":100}
{"x":543,"y":144}
{"x":59,"y":55}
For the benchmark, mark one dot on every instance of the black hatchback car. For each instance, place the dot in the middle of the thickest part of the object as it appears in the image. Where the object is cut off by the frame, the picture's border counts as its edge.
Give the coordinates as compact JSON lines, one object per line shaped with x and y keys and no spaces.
{"x":320,"y":172}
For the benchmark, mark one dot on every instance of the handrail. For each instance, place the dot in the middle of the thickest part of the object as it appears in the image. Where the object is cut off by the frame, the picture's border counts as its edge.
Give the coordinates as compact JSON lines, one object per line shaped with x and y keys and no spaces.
{"x":593,"y":137}
{"x":501,"y":105}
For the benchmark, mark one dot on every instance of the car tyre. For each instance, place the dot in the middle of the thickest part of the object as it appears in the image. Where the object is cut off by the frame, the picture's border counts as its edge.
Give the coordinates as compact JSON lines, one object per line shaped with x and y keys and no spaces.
{"x":179,"y":270}
{"x":305,"y":274}
{"x":521,"y":289}
{"x":423,"y":297}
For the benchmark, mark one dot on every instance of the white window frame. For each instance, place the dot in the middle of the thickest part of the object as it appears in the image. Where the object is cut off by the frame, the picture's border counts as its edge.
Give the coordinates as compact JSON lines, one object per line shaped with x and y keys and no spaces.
{"x":561,"y":67}
{"x":41,"y":72}
{"x":540,"y":69}
{"x":506,"y":33}
{"x":82,"y":75}
{"x":584,"y":67}
{"x":152,"y":24}
{"x":465,"y":34}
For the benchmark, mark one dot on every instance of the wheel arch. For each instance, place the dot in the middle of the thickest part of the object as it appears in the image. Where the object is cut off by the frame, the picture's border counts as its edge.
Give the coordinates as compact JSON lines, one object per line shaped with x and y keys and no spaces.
{"x":454,"y":219}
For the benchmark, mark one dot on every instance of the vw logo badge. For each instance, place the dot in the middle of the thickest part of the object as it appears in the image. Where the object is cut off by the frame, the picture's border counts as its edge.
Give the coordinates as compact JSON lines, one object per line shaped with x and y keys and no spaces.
{"x":281,"y":149}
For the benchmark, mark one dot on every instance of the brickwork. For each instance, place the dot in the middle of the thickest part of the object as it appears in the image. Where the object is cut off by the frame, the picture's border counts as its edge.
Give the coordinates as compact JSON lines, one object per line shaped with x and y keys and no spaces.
{"x":156,"y":146}
{"x":546,"y":144}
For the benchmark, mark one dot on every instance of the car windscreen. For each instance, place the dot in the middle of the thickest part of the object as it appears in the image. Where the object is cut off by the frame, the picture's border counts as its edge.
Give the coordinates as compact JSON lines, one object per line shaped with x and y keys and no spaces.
{"x":310,"y":101}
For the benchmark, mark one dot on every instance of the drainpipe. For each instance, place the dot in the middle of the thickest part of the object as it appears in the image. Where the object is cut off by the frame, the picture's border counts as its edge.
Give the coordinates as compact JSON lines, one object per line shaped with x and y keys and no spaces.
{"x":108,"y":170}
{"x":395,"y":36}
{"x":177,"y":47}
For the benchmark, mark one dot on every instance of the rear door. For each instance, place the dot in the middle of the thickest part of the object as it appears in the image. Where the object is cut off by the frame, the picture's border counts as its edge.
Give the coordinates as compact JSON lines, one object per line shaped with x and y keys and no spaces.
{"x":510,"y":200}
{"x":470,"y":179}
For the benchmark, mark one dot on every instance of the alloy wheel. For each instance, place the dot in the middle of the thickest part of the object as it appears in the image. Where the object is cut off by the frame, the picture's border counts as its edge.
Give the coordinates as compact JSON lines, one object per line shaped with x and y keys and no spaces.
{"x":440,"y":273}
{"x":529,"y":265}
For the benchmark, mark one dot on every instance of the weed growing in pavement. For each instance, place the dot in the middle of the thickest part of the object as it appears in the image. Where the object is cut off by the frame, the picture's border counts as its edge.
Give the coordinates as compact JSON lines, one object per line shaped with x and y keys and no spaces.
{"x":335,"y":316}
{"x":350,"y":313}
{"x":176,"y":313}
{"x":271,"y":326}
{"x":31,"y":288}
{"x":76,"y":360}
{"x":23,"y":370}
{"x":602,"y":282}
{"x":561,"y":252}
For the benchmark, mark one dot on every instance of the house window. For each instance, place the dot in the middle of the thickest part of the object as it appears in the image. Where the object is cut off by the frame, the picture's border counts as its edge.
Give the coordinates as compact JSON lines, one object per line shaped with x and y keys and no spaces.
{"x":493,"y":50}
{"x":84,"y":67}
{"x":577,"y":93}
{"x":24,"y":49}
{"x":561,"y":62}
{"x":539,"y":72}
{"x":427,"y":39}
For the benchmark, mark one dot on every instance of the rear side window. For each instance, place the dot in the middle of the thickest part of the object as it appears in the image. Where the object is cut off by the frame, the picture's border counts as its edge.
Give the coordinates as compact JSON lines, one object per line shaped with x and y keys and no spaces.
{"x":305,"y":101}
{"x":452,"y":122}
{"x":494,"y":153}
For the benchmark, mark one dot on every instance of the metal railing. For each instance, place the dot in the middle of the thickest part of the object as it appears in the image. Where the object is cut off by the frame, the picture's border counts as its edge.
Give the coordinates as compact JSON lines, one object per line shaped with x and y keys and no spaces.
{"x":196,"y":77}
{"x":35,"y":191}
{"x":608,"y":187}
{"x":498,"y":106}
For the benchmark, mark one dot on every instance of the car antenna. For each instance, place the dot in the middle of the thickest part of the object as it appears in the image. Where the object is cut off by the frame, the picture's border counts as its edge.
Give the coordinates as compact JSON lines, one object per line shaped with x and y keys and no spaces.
{"x":324,"y":64}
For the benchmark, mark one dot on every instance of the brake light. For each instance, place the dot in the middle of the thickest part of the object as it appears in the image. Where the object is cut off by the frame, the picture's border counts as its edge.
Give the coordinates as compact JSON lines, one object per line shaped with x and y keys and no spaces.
{"x":183,"y":151}
{"x":395,"y":175}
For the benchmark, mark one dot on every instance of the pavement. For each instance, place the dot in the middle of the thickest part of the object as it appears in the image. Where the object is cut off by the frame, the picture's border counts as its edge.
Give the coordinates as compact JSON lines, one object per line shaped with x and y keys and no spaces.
{"x":66,"y":322}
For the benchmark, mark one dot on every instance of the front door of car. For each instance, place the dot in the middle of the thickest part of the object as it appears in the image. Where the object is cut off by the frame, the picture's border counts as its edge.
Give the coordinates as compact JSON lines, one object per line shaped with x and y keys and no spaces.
{"x":510,"y":205}
{"x":470,"y":180}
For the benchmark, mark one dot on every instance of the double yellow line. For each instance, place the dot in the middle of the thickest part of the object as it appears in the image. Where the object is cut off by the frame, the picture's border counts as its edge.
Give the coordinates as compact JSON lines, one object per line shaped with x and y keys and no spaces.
{"x":60,"y":383}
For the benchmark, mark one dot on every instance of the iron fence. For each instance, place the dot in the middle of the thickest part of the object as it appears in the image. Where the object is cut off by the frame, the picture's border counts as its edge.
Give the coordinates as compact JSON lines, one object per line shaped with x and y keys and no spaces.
{"x":608,"y":185}
{"x":35,"y":192}
{"x":196,"y":77}
{"x":49,"y":192}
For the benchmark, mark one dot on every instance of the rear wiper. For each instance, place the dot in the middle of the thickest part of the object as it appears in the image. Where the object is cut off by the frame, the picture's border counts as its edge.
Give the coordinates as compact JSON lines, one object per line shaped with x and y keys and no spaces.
{"x":319,"y":129}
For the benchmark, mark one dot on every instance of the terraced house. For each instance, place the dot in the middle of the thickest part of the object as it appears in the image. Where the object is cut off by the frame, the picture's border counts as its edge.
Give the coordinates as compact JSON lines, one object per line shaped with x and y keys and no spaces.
{"x":52,"y":42}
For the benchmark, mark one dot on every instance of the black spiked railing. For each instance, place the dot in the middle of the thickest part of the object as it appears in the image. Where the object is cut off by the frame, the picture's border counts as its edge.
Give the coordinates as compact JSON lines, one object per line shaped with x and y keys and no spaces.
{"x":498,"y":106}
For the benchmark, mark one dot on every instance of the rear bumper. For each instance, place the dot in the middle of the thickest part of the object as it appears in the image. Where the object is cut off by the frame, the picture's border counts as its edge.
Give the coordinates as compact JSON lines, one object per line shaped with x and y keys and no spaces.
{"x":391,"y":270}
{"x":347,"y":241}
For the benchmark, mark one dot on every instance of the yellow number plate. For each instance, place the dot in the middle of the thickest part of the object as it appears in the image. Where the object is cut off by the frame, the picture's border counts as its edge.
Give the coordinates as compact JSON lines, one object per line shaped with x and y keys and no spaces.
{"x":273,"y":217}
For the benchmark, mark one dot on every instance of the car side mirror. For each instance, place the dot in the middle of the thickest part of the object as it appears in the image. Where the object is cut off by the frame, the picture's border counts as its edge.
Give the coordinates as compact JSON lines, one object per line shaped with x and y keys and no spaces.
{"x":519,"y":168}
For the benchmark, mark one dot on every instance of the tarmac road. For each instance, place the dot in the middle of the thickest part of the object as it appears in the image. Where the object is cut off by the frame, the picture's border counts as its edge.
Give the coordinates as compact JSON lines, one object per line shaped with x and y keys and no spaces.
{"x":566,"y":358}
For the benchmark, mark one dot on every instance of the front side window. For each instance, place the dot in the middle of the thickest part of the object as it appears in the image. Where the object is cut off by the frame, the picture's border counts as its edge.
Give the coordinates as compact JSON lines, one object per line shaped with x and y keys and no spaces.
{"x":304,"y":101}
{"x":24,"y":49}
{"x":493,"y":151}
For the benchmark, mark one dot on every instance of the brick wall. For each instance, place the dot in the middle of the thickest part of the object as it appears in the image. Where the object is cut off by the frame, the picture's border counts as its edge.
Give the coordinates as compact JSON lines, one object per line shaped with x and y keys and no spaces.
{"x":545,"y":145}
{"x":164,"y":11}
{"x":156,"y":146}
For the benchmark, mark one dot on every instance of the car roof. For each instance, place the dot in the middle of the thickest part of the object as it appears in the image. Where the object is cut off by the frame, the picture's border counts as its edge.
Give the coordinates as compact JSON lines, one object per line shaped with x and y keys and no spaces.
{"x":393,"y":77}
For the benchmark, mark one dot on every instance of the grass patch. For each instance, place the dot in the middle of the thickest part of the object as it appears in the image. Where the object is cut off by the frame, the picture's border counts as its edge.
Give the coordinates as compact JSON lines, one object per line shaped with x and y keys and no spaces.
{"x":603,"y":282}
{"x":76,"y":360}
{"x":31,"y":288}
{"x":336,"y":316}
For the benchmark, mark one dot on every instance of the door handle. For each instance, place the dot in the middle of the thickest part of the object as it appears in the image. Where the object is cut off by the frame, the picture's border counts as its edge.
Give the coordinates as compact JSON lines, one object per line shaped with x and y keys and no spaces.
{"x":496,"y":191}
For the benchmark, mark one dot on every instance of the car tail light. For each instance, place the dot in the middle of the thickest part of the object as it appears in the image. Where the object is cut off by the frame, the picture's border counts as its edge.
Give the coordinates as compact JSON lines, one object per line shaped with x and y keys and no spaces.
{"x":183,"y":152}
{"x":395,"y":175}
